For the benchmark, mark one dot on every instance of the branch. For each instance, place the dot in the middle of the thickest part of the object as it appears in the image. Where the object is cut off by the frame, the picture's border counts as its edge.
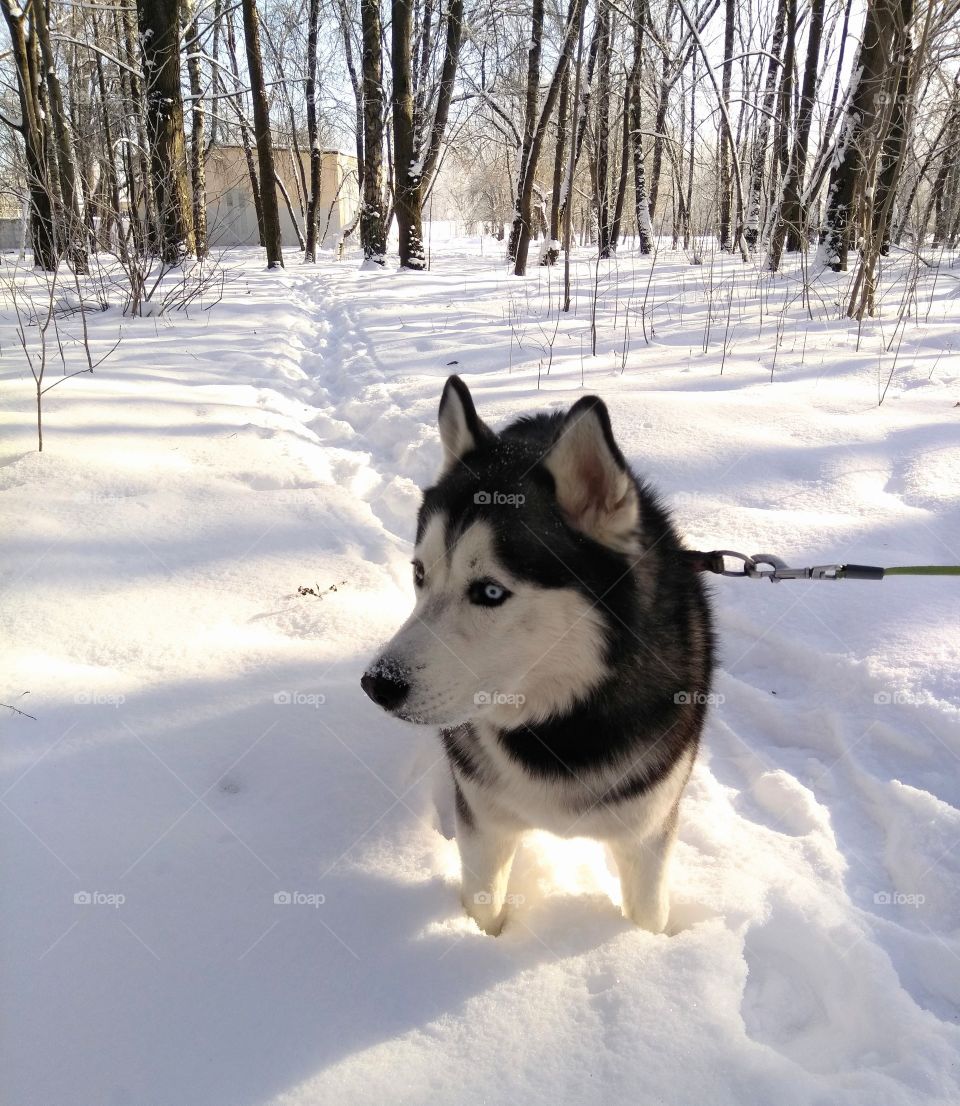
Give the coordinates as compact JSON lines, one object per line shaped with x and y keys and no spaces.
{"x":19,"y":128}
{"x":22,"y":713}
{"x":60,"y":37}
{"x":44,"y":391}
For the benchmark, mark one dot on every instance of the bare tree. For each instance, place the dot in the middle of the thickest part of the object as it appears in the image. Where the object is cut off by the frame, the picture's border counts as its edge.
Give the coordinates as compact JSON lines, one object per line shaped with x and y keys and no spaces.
{"x":373,"y":229}
{"x":726,"y":138}
{"x":530,"y":114}
{"x":857,"y":141}
{"x":601,"y":159}
{"x":159,"y":22}
{"x":261,"y":126}
{"x":191,"y":40}
{"x":529,"y":168}
{"x":313,"y":134}
{"x":416,"y":154}
{"x":759,"y":159}
{"x":33,"y":128}
{"x":793,"y":218}
{"x":641,"y":203}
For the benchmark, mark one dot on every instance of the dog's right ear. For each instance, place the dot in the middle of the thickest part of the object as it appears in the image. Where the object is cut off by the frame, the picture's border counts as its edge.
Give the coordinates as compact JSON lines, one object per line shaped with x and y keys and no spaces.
{"x":595,"y":490}
{"x":461,"y":428}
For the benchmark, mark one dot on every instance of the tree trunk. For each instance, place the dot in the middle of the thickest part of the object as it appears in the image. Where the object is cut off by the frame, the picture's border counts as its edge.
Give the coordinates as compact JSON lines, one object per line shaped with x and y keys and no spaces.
{"x":759,"y":160}
{"x":552,"y":252}
{"x":843,"y":212}
{"x":641,"y":205}
{"x":237,"y":104}
{"x":112,"y":214}
{"x":525,"y":198}
{"x":144,"y":223}
{"x":531,"y":109}
{"x":73,"y":228}
{"x":825,"y":152}
{"x":793,"y":220}
{"x":346,"y":24}
{"x":582,"y":113}
{"x":894,"y":146}
{"x":601,"y":182}
{"x":414,"y":168}
{"x":726,"y":139}
{"x":373,"y":233}
{"x":261,"y":129}
{"x":191,"y":37}
{"x":29,"y":81}
{"x":408,"y":171}
{"x":160,"y":42}
{"x":780,"y":156}
{"x":313,"y":135}
{"x":624,"y":169}
{"x":663,"y":103}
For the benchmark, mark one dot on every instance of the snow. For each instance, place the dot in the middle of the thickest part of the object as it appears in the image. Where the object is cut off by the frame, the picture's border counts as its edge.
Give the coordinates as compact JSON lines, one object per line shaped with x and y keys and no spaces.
{"x":230,"y":878}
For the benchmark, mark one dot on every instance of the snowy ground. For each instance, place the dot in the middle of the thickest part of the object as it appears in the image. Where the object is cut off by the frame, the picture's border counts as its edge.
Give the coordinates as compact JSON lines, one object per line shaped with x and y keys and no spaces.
{"x":201,"y":745}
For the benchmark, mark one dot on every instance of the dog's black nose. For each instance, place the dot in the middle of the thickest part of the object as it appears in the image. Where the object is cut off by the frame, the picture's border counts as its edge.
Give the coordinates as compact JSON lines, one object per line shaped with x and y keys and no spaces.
{"x":387,"y":686}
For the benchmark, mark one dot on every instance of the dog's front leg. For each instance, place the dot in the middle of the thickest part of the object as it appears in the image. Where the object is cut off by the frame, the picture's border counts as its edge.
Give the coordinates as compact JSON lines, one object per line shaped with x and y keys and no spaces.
{"x":642,"y":864}
{"x":486,"y":855}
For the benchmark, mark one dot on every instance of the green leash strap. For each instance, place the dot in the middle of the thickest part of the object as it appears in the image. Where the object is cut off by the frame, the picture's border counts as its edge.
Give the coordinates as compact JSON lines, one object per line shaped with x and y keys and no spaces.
{"x":923,"y":570}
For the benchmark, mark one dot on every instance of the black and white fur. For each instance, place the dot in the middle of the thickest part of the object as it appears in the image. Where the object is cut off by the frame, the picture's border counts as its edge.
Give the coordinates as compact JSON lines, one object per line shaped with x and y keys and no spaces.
{"x":562,"y":644}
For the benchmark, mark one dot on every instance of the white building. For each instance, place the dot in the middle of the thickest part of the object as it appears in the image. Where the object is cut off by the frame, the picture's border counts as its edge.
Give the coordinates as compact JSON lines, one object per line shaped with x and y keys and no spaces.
{"x":232,"y":217}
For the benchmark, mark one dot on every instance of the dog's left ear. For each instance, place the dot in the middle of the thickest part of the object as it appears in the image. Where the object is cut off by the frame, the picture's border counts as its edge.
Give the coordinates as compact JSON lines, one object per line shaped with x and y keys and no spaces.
{"x":461,"y":428}
{"x":595,"y":490}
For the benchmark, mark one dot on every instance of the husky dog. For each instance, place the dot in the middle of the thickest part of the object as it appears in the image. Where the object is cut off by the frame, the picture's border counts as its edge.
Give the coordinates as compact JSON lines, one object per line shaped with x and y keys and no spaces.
{"x":560,"y":641}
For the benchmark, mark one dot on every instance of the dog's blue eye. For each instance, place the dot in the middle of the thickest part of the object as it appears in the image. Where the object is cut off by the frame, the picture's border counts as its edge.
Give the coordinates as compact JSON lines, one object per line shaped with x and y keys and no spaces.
{"x":488,"y":593}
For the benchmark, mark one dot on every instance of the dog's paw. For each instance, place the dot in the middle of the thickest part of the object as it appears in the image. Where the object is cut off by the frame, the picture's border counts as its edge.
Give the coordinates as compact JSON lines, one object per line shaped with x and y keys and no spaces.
{"x":651,"y":917}
{"x":489,"y":920}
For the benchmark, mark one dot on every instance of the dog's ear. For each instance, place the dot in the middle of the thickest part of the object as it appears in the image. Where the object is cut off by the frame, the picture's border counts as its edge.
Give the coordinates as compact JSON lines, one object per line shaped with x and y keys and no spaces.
{"x":595,"y":490}
{"x":461,"y":428}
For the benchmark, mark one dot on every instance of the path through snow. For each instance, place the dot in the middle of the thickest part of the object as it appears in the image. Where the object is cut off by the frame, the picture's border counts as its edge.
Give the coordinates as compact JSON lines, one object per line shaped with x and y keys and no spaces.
{"x":202,"y":747}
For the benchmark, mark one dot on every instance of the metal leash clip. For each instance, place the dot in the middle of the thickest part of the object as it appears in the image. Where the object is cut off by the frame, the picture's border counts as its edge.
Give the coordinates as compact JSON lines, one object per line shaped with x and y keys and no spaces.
{"x":777,"y":569}
{"x":780,"y":570}
{"x":723,"y":554}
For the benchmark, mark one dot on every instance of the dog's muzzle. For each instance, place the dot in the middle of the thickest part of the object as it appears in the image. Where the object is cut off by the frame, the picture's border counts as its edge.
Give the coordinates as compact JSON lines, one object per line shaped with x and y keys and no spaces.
{"x":385,"y":682}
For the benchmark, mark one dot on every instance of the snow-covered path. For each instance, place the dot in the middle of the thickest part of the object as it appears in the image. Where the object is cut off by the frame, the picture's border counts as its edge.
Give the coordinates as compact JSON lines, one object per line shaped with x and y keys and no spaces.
{"x":229,"y":880}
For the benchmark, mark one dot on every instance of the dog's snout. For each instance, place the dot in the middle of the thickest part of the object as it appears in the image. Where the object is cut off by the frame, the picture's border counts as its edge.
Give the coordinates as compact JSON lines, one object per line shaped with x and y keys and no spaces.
{"x":386,"y":684}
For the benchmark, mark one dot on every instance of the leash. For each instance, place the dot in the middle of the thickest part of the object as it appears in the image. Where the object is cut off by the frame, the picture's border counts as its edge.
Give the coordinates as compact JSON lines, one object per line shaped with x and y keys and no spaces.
{"x":718,"y":562}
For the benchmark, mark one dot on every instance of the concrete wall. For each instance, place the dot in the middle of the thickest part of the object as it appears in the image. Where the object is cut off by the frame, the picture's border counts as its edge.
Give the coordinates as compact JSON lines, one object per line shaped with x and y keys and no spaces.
{"x":232,"y":218}
{"x":11,"y":234}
